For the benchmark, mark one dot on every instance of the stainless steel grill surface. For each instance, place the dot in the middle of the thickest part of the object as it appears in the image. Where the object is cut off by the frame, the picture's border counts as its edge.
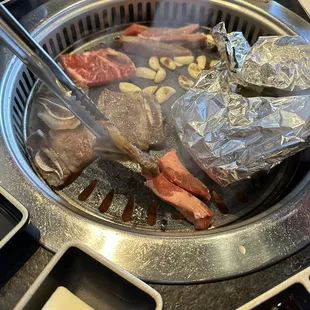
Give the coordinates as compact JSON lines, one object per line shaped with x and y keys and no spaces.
{"x":253,"y":227}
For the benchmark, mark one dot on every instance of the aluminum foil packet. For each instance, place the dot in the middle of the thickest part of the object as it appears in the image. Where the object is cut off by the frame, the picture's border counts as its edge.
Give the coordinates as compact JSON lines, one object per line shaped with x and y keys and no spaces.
{"x":231,"y":136}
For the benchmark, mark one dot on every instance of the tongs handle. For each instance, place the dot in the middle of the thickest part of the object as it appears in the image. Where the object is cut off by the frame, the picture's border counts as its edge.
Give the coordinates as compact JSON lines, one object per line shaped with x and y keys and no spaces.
{"x":29,"y":51}
{"x":19,"y":41}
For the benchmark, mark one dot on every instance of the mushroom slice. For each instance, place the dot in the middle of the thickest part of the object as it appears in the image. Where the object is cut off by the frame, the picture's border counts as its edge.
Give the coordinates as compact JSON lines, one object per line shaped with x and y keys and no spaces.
{"x":164,"y":93}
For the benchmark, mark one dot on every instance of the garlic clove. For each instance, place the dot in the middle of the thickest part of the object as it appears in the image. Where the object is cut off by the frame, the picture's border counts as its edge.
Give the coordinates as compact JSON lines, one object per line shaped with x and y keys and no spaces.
{"x":212,"y":63}
{"x":168,"y":63}
{"x":178,"y":64}
{"x":160,"y":75}
{"x":194,"y":70}
{"x":202,"y":61}
{"x":150,"y":90}
{"x":185,"y":83}
{"x":125,"y":87}
{"x":164,"y":93}
{"x":145,"y":73}
{"x":154,"y":63}
{"x":184,"y":60}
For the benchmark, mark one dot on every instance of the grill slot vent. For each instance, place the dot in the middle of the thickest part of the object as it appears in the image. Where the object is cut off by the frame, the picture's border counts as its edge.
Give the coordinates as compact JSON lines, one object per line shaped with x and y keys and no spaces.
{"x":33,"y":78}
{"x":21,"y":98}
{"x":73,"y":33}
{"x":81,"y":28}
{"x":122,"y":13}
{"x":148,"y":11}
{"x":130,"y":13}
{"x":18,"y":115}
{"x":140,"y":17}
{"x":53,"y":51}
{"x":60,"y":45}
{"x":27,"y":82}
{"x":113,"y":16}
{"x":21,"y":84}
{"x":89,"y":24}
{"x":219,"y":16}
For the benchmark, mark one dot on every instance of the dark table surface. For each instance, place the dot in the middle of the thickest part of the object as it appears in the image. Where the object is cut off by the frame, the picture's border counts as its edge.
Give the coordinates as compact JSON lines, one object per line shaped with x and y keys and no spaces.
{"x":22,"y":260}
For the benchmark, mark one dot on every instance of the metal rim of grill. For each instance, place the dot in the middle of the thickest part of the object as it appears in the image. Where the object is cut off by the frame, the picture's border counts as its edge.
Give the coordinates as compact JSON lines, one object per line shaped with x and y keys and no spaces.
{"x":150,"y":254}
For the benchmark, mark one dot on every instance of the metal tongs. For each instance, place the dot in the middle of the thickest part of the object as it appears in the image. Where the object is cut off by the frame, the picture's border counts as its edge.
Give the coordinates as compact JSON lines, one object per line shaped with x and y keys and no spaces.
{"x":47,"y":70}
{"x":19,"y":41}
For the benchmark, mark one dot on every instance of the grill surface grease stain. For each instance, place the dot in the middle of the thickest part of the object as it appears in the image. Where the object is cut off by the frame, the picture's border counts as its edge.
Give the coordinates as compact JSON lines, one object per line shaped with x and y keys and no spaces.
{"x":106,"y":202}
{"x":127,"y":214}
{"x":220,"y":203}
{"x":87,"y":191}
{"x":242,"y":197}
{"x":151,"y":218}
{"x":177,"y":216}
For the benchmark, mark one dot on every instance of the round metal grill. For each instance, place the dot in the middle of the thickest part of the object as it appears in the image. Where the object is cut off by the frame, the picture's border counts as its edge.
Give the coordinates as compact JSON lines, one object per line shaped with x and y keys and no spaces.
{"x":151,"y":241}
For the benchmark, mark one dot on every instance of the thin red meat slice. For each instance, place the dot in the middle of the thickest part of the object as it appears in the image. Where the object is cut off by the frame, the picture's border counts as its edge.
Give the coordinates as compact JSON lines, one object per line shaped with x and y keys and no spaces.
{"x":193,"y":40}
{"x":98,"y":67}
{"x":181,"y":36}
{"x":134,"y":30}
{"x":158,"y":33}
{"x":148,"y":48}
{"x":174,"y":171}
{"x":191,"y":207}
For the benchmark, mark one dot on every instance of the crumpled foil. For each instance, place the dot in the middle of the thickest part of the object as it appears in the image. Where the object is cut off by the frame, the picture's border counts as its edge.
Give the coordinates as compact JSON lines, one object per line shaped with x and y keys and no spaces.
{"x":232,"y":137}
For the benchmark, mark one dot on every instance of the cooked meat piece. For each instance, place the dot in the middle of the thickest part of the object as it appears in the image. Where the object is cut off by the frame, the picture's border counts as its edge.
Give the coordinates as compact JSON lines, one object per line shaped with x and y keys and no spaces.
{"x":134,"y":30}
{"x":74,"y":147}
{"x":158,"y":33}
{"x":135,"y":125}
{"x":136,"y":115}
{"x":181,"y":36}
{"x":144,"y":159}
{"x":62,"y":156}
{"x":194,"y":40}
{"x":191,"y":207}
{"x":174,"y":171}
{"x":98,"y":67}
{"x":148,"y":48}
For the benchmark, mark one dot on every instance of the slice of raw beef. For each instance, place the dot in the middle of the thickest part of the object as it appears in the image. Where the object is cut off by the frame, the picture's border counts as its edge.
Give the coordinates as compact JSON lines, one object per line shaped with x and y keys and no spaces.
{"x":174,"y":171}
{"x":191,"y":207}
{"x":98,"y":67}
